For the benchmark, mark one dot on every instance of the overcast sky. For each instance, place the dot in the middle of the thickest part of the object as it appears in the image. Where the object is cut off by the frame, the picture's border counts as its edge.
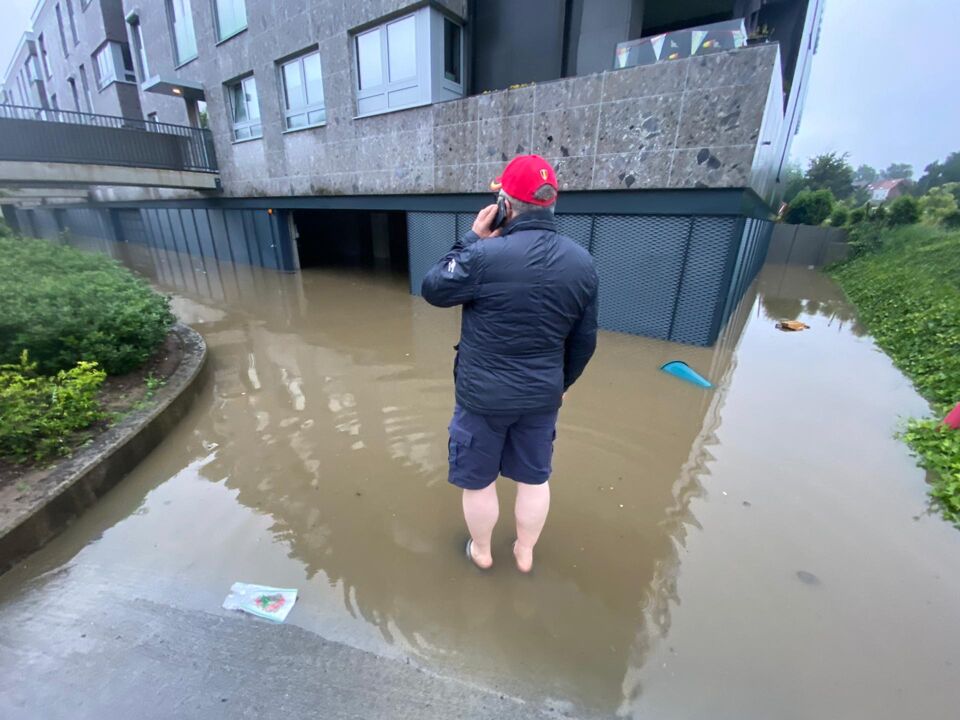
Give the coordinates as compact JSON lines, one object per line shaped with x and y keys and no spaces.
{"x":883,"y":86}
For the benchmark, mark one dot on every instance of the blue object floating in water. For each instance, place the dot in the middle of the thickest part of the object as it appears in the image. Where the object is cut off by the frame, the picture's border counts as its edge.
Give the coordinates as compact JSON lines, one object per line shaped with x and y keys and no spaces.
{"x":680,"y":369}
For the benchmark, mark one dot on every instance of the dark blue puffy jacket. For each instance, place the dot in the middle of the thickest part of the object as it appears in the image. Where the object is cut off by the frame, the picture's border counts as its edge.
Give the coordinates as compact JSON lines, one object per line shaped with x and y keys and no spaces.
{"x":529,"y":322}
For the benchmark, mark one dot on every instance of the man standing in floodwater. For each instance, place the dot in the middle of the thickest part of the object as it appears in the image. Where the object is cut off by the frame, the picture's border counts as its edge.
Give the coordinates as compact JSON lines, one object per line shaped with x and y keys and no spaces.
{"x":529,"y":328}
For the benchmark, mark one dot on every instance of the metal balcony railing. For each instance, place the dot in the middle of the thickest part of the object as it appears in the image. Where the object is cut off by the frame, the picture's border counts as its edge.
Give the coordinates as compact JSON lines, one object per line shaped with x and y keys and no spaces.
{"x":65,"y":136}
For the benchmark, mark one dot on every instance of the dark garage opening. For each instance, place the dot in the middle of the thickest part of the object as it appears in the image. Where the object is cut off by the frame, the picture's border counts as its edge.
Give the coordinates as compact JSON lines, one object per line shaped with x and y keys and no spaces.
{"x":352,"y":239}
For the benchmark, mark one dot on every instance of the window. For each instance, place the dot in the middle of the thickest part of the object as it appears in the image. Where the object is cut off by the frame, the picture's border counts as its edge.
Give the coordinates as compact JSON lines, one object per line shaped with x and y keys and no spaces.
{"x":412,"y":60}
{"x":136,"y":37}
{"x":73,"y":92}
{"x":88,"y":98}
{"x":63,"y":37}
{"x":152,"y":122}
{"x":245,"y":107}
{"x":231,"y":17}
{"x":112,"y":63}
{"x":303,"y":92}
{"x":53,"y":102}
{"x":452,"y":53}
{"x":181,"y":26}
{"x":73,"y":24}
{"x":44,"y":59}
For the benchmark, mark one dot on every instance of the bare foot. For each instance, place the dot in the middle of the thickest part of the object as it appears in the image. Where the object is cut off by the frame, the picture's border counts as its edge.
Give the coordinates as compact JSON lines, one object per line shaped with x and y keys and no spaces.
{"x":484,"y":561}
{"x":523,"y":556}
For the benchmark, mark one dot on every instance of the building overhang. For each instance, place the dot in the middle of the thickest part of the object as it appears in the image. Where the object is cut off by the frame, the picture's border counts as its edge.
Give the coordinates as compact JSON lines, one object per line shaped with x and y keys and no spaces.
{"x":174,"y":87}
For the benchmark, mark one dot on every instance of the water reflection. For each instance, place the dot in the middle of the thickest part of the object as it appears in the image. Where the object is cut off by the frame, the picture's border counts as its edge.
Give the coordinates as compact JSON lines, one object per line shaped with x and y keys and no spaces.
{"x":787,"y":292}
{"x":327,"y":412}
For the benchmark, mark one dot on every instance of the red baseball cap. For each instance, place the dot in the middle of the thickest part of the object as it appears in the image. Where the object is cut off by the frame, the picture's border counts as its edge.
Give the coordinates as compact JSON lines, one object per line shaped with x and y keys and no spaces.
{"x":523,"y":176}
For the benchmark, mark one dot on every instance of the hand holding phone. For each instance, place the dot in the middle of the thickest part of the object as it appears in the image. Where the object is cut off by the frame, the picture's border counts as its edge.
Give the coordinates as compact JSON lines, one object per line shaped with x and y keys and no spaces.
{"x":488,"y":221}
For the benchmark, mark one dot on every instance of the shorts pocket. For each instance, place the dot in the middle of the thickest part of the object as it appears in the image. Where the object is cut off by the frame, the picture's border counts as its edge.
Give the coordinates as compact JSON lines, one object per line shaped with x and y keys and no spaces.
{"x":459,"y":439}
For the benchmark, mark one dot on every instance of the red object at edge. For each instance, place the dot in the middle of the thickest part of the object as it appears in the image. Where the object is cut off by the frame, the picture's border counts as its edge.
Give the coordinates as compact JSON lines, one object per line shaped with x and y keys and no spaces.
{"x":953,"y":418}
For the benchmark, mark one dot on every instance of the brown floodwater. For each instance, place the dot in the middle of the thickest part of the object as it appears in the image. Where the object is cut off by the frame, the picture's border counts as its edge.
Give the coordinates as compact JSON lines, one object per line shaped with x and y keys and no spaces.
{"x":760,"y":550}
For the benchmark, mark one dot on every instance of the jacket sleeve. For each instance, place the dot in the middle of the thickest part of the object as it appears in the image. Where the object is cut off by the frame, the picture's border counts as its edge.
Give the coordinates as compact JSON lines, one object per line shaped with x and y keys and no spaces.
{"x":581,"y":342}
{"x":455,"y":279}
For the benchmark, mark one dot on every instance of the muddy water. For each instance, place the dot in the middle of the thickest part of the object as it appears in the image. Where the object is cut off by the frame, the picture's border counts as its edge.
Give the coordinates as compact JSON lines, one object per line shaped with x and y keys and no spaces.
{"x":761,"y":550}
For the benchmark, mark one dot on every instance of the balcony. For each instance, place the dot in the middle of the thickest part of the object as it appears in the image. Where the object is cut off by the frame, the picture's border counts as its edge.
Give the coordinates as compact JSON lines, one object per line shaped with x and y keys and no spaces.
{"x":46,"y":147}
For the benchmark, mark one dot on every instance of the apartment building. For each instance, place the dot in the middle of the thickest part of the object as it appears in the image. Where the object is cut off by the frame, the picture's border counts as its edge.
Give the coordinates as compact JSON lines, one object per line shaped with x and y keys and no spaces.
{"x":383,"y":121}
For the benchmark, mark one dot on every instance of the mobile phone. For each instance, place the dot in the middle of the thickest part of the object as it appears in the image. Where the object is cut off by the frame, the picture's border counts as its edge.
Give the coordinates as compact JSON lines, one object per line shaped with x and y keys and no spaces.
{"x":501,"y":215}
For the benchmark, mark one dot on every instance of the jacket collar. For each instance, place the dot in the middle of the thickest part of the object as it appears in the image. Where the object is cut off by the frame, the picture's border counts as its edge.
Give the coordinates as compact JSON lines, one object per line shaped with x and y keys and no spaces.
{"x":533,"y":220}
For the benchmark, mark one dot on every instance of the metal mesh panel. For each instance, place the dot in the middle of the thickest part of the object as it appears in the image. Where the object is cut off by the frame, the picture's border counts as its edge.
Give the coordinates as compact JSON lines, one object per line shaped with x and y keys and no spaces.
{"x":429,"y":235}
{"x":639,"y":260}
{"x":578,"y":228}
{"x":464,"y":223}
{"x":45,"y":223}
{"x":131,"y":226}
{"x":701,"y":289}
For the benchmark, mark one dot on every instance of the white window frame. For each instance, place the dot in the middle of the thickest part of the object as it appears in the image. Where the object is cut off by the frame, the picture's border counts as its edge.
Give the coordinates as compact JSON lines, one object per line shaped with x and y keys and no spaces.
{"x":85,"y":83}
{"x":115,"y":68}
{"x":137,"y":49}
{"x":63,"y":36}
{"x":402,"y":93}
{"x":221,"y":37}
{"x":44,"y":57}
{"x":73,"y":23}
{"x":311,"y":108}
{"x":252,"y":126}
{"x":429,"y":85}
{"x":187,"y":20}
{"x":72,"y":84}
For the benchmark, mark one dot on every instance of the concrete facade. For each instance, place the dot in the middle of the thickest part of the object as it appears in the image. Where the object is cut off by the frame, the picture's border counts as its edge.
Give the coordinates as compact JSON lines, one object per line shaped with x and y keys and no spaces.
{"x":700,"y":122}
{"x":95,"y":22}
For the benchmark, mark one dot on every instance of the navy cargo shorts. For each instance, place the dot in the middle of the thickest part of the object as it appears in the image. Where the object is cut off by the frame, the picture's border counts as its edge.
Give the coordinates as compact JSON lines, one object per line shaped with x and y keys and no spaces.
{"x":519,"y":447}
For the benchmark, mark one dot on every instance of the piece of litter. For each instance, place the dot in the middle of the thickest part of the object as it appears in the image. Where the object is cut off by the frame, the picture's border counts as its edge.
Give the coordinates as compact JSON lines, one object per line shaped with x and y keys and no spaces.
{"x":792,"y":325}
{"x":261,"y":600}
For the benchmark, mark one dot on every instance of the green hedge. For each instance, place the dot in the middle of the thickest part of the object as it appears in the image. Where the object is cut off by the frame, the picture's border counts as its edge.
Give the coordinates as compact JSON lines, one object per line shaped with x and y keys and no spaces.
{"x":39,"y":414}
{"x":65,"y":306}
{"x":906,"y":286}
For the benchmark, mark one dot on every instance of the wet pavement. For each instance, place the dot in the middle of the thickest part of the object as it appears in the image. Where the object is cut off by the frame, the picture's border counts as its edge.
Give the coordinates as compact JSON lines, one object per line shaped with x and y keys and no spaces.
{"x":760,"y":550}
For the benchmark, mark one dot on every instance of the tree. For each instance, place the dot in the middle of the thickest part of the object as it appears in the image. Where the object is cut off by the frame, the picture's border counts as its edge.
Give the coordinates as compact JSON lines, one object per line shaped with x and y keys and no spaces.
{"x":898,"y":171}
{"x":936,"y":173}
{"x":793,"y":182}
{"x":866,"y":174}
{"x":831,"y":172}
{"x":810,"y":207}
{"x":905,"y":210}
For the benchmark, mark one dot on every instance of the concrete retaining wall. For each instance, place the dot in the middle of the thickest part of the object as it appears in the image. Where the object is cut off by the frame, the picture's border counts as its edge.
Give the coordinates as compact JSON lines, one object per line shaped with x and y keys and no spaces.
{"x":807,"y":245}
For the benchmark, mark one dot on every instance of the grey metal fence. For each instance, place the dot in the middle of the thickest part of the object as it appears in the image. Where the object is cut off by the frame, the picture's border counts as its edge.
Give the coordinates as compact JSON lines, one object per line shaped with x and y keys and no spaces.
{"x":47,"y":135}
{"x":673,"y":277}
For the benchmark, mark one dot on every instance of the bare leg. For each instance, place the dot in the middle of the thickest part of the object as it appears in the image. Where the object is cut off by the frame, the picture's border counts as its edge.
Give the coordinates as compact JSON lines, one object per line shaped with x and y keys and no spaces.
{"x":481,"y":510}
{"x":533,"y":503}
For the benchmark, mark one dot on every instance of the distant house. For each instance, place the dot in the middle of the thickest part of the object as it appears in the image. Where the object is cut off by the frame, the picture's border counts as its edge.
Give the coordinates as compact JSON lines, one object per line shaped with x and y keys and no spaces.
{"x":885,"y":190}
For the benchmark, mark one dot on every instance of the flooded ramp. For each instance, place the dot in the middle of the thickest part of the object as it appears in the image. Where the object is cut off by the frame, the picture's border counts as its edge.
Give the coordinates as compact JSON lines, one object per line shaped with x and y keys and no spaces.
{"x":756,"y":550}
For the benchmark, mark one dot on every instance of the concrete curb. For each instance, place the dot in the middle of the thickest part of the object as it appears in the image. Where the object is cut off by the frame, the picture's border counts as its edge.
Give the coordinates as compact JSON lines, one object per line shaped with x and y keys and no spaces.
{"x":90,"y":472}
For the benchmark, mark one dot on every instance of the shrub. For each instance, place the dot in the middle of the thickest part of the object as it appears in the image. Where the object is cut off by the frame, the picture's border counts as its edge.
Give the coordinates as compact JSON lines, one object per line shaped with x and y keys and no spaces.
{"x":951,"y":221}
{"x":810,"y":207}
{"x":38,"y":414}
{"x":65,"y":306}
{"x":937,"y":204}
{"x":839,"y":216}
{"x":938,"y":450}
{"x":865,"y":237}
{"x":905,"y":210}
{"x":857,"y":216}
